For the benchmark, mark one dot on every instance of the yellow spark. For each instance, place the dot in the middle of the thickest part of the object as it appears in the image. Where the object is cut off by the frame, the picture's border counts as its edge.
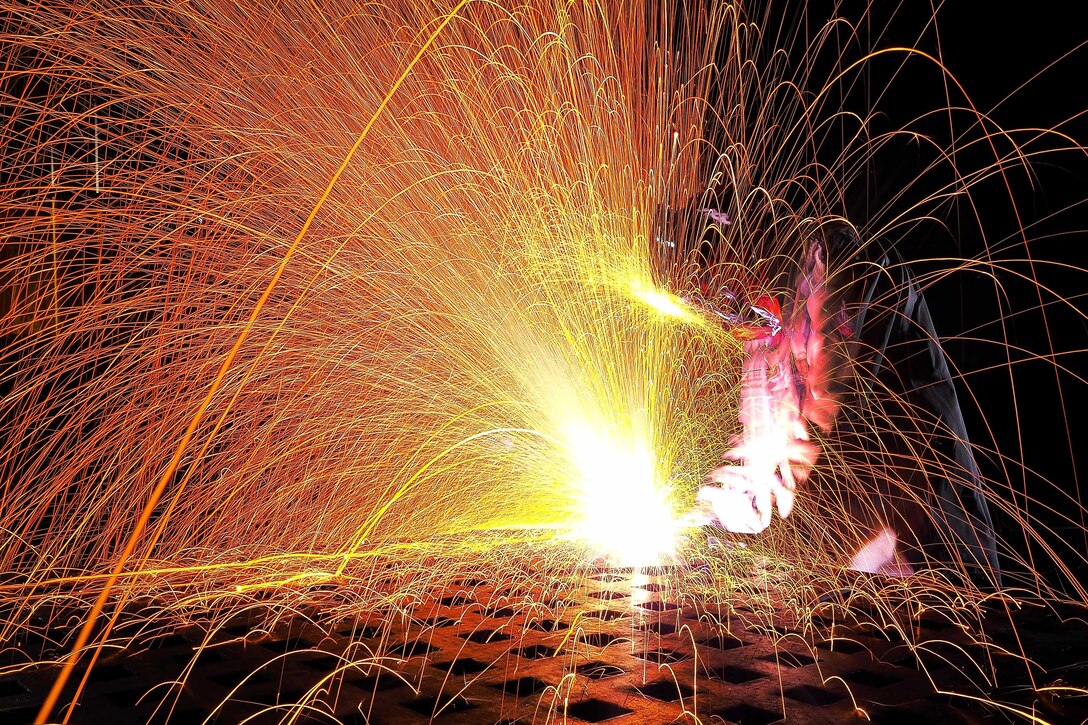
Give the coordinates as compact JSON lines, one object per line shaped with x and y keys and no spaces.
{"x":663,"y":302}
{"x":625,"y":508}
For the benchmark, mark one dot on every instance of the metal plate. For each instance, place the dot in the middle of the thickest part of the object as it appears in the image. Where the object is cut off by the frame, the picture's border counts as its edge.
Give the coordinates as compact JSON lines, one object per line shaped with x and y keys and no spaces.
{"x":618,"y":649}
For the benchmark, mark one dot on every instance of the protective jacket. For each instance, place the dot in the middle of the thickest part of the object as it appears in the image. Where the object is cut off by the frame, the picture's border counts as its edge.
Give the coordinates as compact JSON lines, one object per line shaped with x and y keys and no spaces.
{"x":881,"y":384}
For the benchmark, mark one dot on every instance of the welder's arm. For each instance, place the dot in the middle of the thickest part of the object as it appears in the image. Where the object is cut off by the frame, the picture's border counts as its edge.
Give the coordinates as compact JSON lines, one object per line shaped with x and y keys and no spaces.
{"x":824,"y":334}
{"x":774,"y":452}
{"x":792,"y":378}
{"x":818,"y":342}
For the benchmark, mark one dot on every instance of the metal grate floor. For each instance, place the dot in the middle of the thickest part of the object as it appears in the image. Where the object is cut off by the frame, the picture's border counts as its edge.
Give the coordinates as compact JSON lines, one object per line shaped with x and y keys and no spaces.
{"x":620,"y":651}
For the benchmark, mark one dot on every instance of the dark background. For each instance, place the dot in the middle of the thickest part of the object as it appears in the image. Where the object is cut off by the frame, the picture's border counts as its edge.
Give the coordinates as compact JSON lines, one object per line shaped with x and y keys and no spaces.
{"x":1023,"y":389}
{"x":995,"y":53}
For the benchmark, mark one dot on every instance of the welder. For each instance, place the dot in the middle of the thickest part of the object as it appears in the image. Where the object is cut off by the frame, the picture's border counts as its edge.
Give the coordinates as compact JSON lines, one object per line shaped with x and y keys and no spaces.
{"x":854,"y":361}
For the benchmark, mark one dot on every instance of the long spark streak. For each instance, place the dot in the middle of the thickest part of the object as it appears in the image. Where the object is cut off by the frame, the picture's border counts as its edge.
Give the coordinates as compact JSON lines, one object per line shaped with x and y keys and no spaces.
{"x":171,"y":468}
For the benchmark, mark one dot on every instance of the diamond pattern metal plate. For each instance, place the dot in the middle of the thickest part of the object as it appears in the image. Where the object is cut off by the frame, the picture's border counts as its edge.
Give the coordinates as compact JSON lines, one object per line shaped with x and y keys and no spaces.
{"x":620,"y":651}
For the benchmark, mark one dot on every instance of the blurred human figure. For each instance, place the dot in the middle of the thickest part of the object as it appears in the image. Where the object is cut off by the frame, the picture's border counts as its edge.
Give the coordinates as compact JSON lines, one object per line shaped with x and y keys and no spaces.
{"x":857,"y":360}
